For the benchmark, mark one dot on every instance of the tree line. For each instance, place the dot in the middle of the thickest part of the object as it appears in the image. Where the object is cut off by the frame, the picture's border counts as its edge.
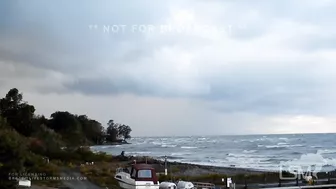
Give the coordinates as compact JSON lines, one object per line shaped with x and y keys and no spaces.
{"x":27,"y":138}
{"x":73,"y":129}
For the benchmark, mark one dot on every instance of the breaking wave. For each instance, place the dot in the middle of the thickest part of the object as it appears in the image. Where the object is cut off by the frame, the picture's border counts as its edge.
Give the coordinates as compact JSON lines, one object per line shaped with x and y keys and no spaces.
{"x":188,"y":147}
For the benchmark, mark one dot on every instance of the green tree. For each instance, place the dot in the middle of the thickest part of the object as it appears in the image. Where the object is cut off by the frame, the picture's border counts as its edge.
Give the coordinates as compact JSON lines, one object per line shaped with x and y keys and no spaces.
{"x":39,"y":120}
{"x":68,"y":126}
{"x":115,"y":131}
{"x":12,"y":155}
{"x":124,"y":131}
{"x":19,"y":114}
{"x":92,"y":129}
{"x":112,"y":131}
{"x":46,"y":141}
{"x":3,"y":123}
{"x":26,"y":138}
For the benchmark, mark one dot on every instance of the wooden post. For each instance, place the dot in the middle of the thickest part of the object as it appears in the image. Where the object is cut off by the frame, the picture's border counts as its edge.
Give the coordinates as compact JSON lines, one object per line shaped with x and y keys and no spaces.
{"x":328,"y":177}
{"x":166,"y":171}
{"x":245,"y":183}
{"x":297,"y":181}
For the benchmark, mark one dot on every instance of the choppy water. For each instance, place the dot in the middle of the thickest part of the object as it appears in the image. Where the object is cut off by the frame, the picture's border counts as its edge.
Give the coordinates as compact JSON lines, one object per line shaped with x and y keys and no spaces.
{"x":265,"y":152}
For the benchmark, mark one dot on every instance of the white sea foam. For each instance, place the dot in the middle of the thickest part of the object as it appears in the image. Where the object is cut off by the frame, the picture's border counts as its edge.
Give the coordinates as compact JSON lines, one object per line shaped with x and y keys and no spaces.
{"x":275,"y":146}
{"x":188,"y":147}
{"x":168,"y":146}
{"x":140,"y":152}
{"x":180,"y":154}
{"x":157,"y":143}
{"x":326,"y":151}
{"x":249,"y":151}
{"x":250,"y":155}
{"x":281,"y":146}
{"x":182,"y":140}
{"x":104,"y":147}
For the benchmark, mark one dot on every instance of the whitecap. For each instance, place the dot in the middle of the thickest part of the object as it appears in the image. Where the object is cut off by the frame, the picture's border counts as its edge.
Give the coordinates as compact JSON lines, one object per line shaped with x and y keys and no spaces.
{"x":140,"y":152}
{"x":249,"y":151}
{"x":283,"y":146}
{"x":275,"y":146}
{"x":326,"y":151}
{"x":282,"y":143}
{"x":168,"y":146}
{"x":188,"y":147}
{"x":179,"y":154}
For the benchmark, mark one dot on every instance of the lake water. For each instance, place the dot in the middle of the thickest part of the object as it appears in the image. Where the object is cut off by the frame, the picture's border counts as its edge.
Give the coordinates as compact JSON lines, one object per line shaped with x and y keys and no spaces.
{"x":265,"y":152}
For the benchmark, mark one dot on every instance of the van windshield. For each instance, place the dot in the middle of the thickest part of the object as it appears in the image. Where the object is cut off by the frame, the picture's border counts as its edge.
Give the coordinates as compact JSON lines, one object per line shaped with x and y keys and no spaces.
{"x":144,"y":174}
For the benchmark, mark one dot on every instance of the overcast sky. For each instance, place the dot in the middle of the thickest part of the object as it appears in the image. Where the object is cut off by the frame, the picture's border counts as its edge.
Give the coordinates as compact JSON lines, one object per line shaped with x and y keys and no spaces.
{"x":224,"y":67}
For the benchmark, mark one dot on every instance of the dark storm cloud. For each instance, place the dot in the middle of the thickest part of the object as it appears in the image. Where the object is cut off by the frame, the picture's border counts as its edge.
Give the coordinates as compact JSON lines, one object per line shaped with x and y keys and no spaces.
{"x":290,"y":94}
{"x":105,"y":86}
{"x":55,"y":36}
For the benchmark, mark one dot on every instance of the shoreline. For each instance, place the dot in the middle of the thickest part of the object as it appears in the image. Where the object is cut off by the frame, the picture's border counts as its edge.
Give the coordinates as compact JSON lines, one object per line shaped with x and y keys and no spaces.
{"x":192,"y":169}
{"x":111,"y":144}
{"x":211,"y":168}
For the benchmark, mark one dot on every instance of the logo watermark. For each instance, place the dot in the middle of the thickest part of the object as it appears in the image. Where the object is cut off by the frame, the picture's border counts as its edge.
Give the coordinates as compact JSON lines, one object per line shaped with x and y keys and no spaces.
{"x":297,"y":172}
{"x":307,"y":166}
{"x":40,"y":176}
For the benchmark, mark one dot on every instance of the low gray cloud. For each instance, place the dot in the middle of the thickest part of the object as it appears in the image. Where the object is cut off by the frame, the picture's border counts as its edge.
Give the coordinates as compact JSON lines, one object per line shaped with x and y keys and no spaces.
{"x":105,"y":86}
{"x":289,"y":94}
{"x":268,"y":58}
{"x":318,"y":43}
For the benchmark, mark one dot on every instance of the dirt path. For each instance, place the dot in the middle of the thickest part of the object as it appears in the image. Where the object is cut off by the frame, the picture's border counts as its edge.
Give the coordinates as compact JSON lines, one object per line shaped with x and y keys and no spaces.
{"x":77,"y":180}
{"x":41,"y":187}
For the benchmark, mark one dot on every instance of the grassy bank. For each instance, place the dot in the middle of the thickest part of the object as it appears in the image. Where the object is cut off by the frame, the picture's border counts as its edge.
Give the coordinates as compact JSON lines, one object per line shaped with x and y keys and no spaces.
{"x":27,"y":138}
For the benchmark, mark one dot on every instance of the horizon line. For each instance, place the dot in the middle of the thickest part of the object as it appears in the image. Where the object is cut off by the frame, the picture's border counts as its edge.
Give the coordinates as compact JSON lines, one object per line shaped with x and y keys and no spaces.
{"x":158,"y":136}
